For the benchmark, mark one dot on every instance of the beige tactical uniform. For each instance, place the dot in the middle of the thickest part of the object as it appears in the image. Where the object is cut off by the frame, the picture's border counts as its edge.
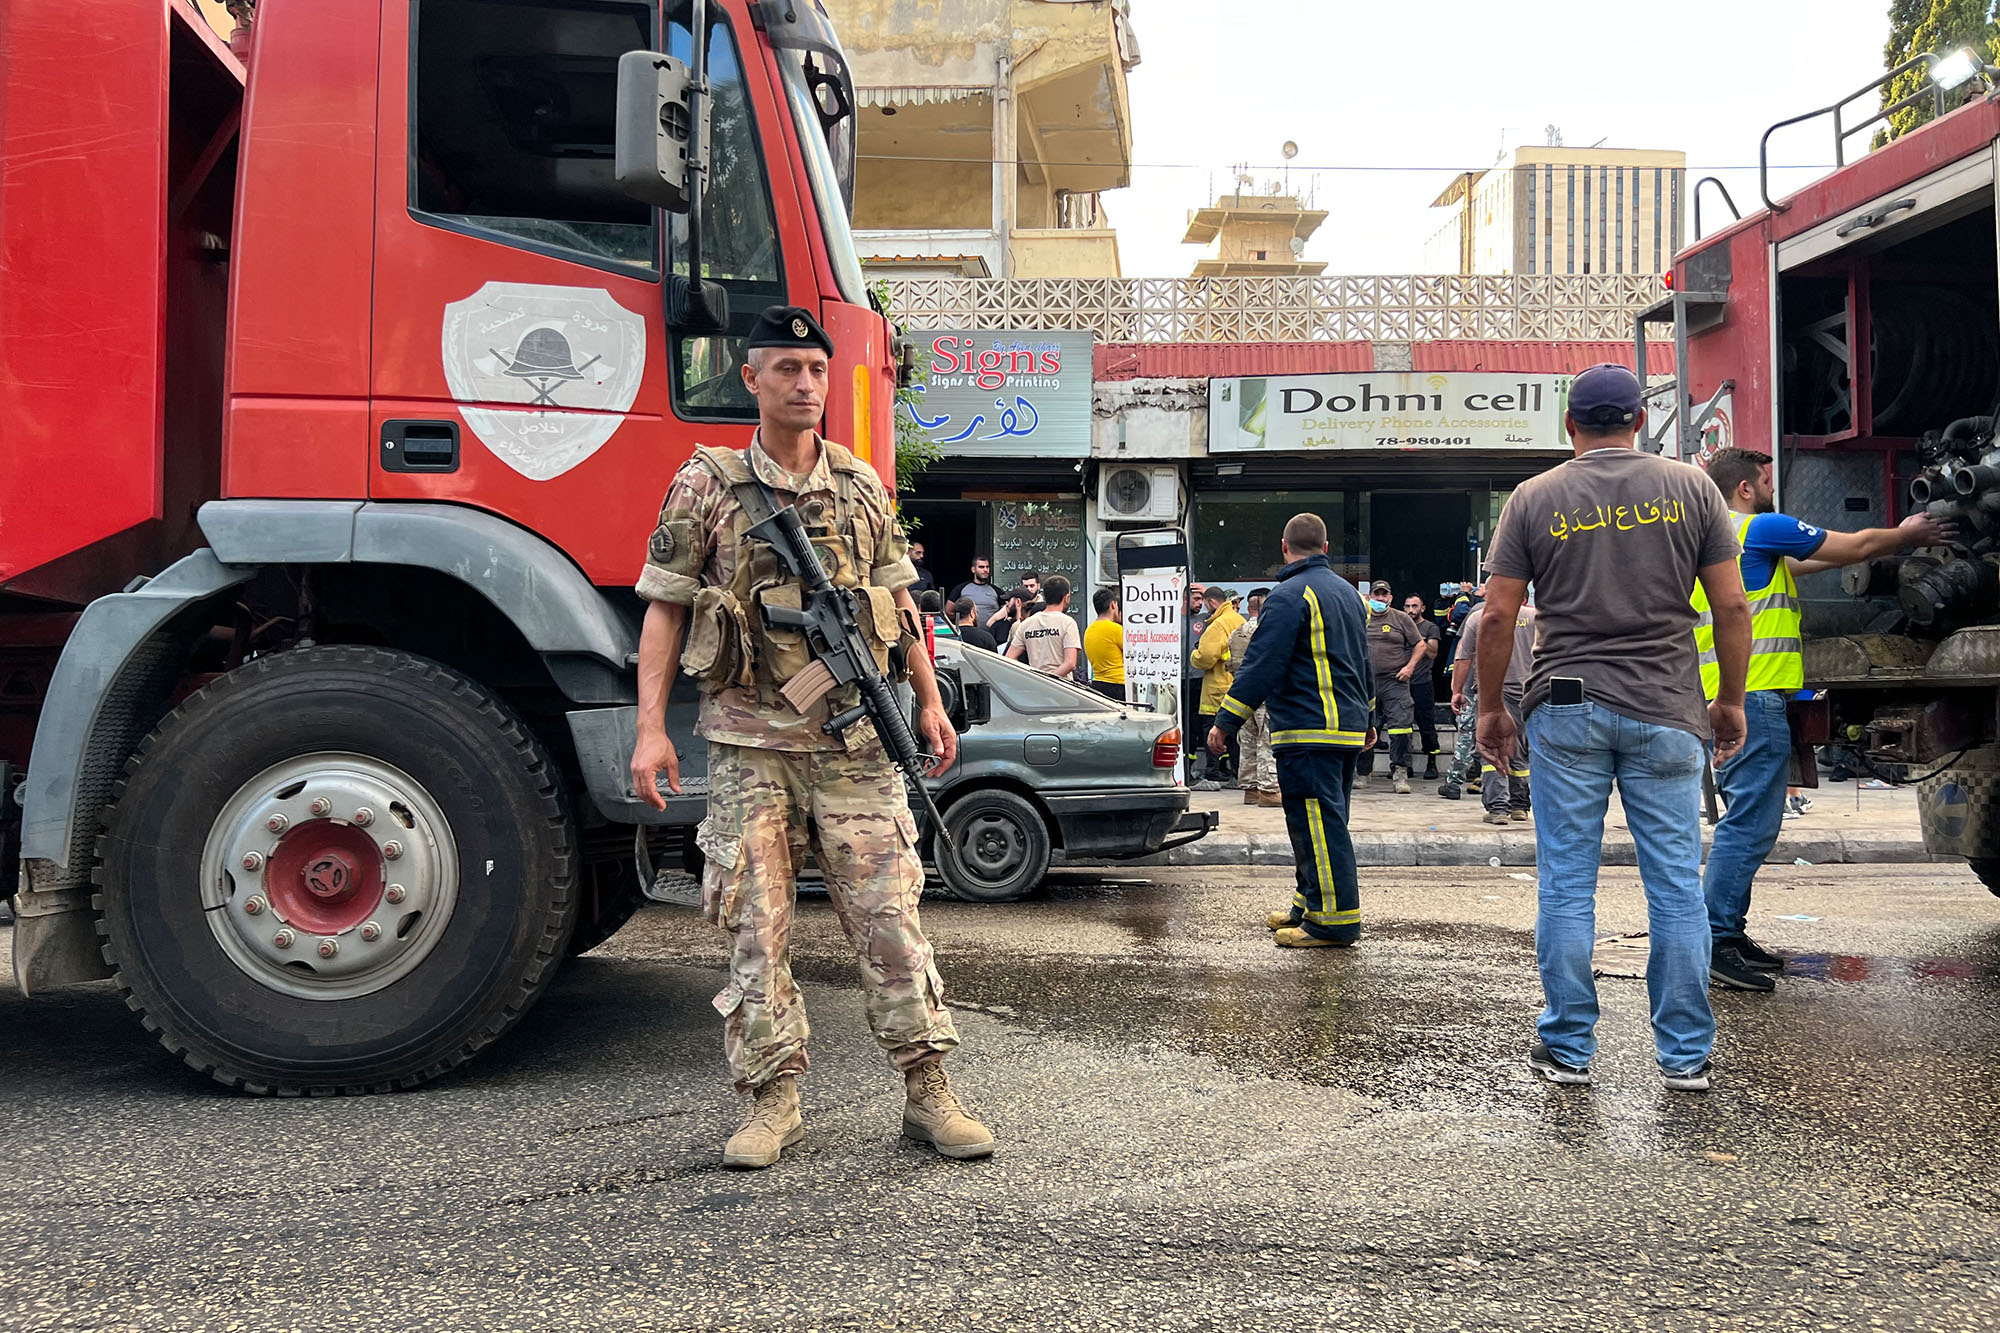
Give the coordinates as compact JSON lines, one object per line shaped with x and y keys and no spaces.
{"x":1257,"y":768}
{"x":777,"y":783}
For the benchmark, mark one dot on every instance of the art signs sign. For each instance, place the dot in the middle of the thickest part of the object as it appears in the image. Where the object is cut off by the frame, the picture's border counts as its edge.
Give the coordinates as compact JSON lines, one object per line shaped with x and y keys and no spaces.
{"x":1388,"y":410}
{"x":553,"y":370}
{"x":1022,"y":394}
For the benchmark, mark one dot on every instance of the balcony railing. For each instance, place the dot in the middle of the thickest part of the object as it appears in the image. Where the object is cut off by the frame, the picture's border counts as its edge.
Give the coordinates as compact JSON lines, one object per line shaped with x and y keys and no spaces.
{"x":1376,"y":309}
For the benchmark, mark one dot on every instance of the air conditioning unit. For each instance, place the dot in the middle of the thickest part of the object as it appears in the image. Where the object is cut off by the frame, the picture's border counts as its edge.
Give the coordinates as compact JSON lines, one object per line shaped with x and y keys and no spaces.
{"x":1107,"y":562}
{"x":1127,"y":493}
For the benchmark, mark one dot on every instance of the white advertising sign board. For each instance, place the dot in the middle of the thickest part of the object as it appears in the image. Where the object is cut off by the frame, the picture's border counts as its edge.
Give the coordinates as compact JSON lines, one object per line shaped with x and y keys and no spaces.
{"x":1388,"y":410}
{"x":1152,"y":602}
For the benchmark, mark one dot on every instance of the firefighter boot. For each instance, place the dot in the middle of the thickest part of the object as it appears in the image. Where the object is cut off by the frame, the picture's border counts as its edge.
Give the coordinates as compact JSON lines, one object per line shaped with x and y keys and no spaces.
{"x":1281,"y":920}
{"x":933,"y":1114}
{"x":773,"y":1125}
{"x":1430,"y":768}
{"x":1295,"y":937}
{"x":1401,"y":777}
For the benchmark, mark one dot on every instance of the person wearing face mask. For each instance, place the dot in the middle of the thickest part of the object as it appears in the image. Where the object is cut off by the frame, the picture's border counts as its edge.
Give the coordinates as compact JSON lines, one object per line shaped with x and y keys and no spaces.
{"x":1396,"y":652}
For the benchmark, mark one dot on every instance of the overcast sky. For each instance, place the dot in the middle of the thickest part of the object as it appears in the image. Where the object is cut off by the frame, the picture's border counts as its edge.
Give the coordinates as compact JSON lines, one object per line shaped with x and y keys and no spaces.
{"x":1441,"y":84}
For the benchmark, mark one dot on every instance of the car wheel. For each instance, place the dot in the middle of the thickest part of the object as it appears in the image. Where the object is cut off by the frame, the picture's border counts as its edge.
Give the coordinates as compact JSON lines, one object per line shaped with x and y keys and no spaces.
{"x":338,"y":869}
{"x":994,"y":847}
{"x":1988,"y":870}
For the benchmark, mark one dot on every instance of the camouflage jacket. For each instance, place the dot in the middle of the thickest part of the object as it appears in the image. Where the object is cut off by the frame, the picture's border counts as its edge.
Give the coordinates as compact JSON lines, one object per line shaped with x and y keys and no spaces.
{"x":694,"y":547}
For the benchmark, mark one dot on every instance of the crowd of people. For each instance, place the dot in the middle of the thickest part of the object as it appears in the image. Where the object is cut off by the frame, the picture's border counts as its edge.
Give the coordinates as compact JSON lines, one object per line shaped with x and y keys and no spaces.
{"x":1640,"y":622}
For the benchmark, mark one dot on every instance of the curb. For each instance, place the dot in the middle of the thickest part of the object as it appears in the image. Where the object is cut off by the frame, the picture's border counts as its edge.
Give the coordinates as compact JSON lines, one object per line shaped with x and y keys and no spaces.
{"x":1376,"y":849}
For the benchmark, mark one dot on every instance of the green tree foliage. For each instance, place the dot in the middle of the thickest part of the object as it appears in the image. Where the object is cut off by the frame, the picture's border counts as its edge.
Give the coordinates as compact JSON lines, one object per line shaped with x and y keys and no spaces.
{"x":1917,"y":26}
{"x":915,"y":450}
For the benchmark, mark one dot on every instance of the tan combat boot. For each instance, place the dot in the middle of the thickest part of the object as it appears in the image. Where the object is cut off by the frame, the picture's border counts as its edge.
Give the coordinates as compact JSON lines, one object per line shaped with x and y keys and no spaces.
{"x":773,"y":1125}
{"x":1271,"y":800}
{"x":1279,"y":920}
{"x":1401,"y":777}
{"x":1249,"y":796}
{"x":934,"y":1115}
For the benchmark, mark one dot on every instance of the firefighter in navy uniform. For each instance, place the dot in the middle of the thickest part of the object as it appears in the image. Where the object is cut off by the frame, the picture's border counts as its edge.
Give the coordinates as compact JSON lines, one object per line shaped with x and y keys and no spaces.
{"x":1308,"y":666}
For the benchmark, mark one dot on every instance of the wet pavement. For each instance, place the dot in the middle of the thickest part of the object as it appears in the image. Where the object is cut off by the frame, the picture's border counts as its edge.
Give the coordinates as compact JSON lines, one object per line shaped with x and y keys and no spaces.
{"x":1197,"y":1131}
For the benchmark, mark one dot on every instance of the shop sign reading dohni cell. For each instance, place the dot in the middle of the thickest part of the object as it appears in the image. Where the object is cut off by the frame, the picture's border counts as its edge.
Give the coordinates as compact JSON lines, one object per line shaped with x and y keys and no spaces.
{"x":1388,"y":410}
{"x":1016,"y":394}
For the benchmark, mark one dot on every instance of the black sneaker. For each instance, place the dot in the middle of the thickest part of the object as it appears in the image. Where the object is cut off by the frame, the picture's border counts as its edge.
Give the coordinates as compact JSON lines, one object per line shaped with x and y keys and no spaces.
{"x":1756,"y":956}
{"x":1726,"y":967}
{"x":1694,"y":1080}
{"x":1554,"y":1070}
{"x":1449,"y":791}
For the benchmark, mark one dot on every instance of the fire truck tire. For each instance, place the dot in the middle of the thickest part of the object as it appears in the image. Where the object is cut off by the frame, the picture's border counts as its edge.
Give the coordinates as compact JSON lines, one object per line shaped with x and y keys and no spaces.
{"x":336,"y":870}
{"x":1988,"y":870}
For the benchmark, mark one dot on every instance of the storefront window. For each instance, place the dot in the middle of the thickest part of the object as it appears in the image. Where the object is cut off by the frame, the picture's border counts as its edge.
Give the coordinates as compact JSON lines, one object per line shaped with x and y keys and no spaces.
{"x":1235,"y":536}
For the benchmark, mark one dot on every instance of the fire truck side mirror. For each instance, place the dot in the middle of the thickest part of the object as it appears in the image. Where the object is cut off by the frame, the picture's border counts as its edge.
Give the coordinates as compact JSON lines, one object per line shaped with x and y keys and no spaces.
{"x":655,"y":151}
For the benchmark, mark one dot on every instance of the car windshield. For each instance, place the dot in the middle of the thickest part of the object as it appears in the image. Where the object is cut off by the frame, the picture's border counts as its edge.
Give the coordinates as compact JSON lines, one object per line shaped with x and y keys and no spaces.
{"x":1023,"y":689}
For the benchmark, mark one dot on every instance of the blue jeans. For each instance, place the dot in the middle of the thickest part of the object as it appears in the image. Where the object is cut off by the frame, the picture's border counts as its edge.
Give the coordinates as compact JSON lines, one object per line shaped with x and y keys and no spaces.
{"x":1753,"y":785}
{"x":1577,"y":750}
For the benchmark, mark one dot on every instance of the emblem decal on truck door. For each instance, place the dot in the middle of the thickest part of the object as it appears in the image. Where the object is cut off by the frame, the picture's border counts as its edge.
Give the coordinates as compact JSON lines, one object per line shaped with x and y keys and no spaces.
{"x":571,"y":358}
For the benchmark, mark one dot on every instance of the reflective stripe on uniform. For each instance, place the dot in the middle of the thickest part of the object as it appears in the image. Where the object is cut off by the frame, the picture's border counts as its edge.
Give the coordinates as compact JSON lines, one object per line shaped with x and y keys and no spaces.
{"x":1323,"y":874}
{"x":1329,"y":703}
{"x":1231,"y":707}
{"x":1318,"y":737}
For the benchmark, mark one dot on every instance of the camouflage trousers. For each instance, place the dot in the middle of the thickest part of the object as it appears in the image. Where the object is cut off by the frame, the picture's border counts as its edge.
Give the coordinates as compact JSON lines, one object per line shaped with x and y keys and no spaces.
{"x":765,"y":808}
{"x":1465,"y":756}
{"x":1256,"y":768}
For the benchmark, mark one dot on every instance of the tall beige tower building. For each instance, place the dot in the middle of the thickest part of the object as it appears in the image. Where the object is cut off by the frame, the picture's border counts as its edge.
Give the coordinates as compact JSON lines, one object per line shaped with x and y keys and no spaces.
{"x":1254,"y":235}
{"x":1563,"y":211}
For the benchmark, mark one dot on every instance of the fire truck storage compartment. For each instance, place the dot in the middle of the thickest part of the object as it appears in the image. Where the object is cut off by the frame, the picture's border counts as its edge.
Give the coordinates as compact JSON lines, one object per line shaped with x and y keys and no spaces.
{"x":1857,"y":430}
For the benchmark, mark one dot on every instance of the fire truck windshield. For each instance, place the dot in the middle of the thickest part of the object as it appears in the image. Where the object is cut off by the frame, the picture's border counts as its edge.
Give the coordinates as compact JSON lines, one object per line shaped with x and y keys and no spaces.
{"x":822,"y":103}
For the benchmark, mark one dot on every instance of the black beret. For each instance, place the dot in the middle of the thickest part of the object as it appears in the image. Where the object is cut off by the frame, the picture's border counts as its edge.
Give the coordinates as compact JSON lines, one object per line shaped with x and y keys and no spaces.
{"x":789,"y":326}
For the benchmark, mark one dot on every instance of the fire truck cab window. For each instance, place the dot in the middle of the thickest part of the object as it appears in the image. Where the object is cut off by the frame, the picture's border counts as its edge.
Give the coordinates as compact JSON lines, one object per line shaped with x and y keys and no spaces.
{"x":739,"y":233}
{"x":513,"y":115}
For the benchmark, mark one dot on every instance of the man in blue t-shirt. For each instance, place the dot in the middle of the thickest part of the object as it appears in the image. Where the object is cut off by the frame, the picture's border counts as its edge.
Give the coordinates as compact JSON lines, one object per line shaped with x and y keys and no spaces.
{"x":1776,"y":548}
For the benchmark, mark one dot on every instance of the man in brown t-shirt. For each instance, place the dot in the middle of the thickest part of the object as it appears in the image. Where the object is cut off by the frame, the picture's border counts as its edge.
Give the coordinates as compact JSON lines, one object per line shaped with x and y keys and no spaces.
{"x":1614,"y":541}
{"x":1049,"y":639}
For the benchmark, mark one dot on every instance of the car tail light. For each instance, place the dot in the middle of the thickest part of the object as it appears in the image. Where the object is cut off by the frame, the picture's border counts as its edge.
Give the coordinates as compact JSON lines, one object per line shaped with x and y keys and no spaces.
{"x":1167,"y":748}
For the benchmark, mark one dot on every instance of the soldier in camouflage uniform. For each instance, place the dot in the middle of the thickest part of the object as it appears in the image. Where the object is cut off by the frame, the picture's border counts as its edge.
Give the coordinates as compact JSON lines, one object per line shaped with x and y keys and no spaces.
{"x":778,"y":784}
{"x":1258,"y":773}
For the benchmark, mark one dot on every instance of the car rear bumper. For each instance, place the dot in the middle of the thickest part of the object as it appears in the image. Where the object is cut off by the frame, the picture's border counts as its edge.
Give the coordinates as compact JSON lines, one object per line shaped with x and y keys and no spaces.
{"x":1119,"y":825}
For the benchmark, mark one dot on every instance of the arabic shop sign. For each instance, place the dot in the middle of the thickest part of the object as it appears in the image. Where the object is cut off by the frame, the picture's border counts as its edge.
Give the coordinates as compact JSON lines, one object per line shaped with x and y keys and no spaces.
{"x":1022,"y":394}
{"x":1388,"y":410}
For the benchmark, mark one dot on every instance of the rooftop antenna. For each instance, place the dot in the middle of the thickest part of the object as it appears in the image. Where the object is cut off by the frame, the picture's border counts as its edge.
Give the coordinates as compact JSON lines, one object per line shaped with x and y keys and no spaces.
{"x":1288,"y":152}
{"x":1555,"y":134}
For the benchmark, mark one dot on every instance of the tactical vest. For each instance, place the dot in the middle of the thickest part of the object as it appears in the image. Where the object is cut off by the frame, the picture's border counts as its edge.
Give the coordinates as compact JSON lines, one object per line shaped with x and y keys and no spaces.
{"x":1776,"y":631}
{"x":729,"y":645}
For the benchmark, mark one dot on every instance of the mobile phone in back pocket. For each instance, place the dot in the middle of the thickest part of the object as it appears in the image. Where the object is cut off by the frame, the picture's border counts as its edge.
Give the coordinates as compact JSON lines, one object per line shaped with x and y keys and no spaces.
{"x":1565,"y":690}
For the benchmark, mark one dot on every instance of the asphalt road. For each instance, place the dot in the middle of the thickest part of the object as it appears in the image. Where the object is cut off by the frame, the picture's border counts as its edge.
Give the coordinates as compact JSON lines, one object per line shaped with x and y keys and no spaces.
{"x":1197,"y":1131}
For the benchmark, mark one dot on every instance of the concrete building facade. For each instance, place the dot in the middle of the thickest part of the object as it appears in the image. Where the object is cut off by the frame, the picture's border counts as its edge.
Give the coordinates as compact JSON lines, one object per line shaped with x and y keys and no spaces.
{"x":1254,"y":236}
{"x":1554,"y":211}
{"x":988,"y":129}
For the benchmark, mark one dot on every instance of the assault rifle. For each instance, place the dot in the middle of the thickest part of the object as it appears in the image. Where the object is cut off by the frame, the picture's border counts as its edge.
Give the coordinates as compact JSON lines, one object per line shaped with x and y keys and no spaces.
{"x":840,"y":651}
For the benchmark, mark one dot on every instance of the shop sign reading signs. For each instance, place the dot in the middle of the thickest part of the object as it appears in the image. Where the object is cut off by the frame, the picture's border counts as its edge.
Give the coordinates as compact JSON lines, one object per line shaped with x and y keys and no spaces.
{"x":1388,"y":410}
{"x":1014,"y":394}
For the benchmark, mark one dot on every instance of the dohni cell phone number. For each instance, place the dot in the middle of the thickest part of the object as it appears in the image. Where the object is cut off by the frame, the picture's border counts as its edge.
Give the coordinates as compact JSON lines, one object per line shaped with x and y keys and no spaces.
{"x":1393,"y":441}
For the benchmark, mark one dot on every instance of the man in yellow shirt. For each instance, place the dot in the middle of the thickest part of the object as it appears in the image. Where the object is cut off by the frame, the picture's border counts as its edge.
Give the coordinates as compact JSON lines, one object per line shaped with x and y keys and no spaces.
{"x":1211,"y":658}
{"x":1104,"y":645}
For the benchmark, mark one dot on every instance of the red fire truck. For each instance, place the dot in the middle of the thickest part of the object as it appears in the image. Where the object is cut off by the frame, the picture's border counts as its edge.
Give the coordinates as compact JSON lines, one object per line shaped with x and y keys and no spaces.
{"x":1852,"y":331}
{"x":342,"y":368}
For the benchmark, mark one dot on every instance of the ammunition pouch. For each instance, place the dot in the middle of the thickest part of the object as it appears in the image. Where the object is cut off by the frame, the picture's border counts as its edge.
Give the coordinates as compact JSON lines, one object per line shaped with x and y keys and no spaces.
{"x":719,"y":652}
{"x":875,"y":613}
{"x":781,"y":653}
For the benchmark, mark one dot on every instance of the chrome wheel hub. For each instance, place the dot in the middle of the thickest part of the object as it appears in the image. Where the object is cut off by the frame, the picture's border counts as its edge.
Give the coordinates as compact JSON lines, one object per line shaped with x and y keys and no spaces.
{"x":329,"y":876}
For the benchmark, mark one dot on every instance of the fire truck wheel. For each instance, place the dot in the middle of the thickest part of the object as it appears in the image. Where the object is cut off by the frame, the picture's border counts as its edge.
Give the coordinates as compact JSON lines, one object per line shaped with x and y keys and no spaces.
{"x":339,"y":869}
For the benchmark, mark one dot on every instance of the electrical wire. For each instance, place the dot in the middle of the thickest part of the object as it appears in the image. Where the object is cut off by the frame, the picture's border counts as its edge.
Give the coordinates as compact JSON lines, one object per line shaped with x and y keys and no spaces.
{"x":1308,"y":169}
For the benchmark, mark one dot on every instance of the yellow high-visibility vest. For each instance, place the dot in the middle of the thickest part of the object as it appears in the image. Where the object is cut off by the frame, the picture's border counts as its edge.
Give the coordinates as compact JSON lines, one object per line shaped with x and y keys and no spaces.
{"x":1776,"y":631}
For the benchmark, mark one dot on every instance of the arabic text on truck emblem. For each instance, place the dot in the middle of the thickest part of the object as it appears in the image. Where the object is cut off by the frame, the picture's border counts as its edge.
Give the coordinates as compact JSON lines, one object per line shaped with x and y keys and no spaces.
{"x":542,"y":374}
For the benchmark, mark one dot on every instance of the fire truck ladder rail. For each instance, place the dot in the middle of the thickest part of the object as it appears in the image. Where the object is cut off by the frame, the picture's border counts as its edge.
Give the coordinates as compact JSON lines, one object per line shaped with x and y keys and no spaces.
{"x":1842,"y":132}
